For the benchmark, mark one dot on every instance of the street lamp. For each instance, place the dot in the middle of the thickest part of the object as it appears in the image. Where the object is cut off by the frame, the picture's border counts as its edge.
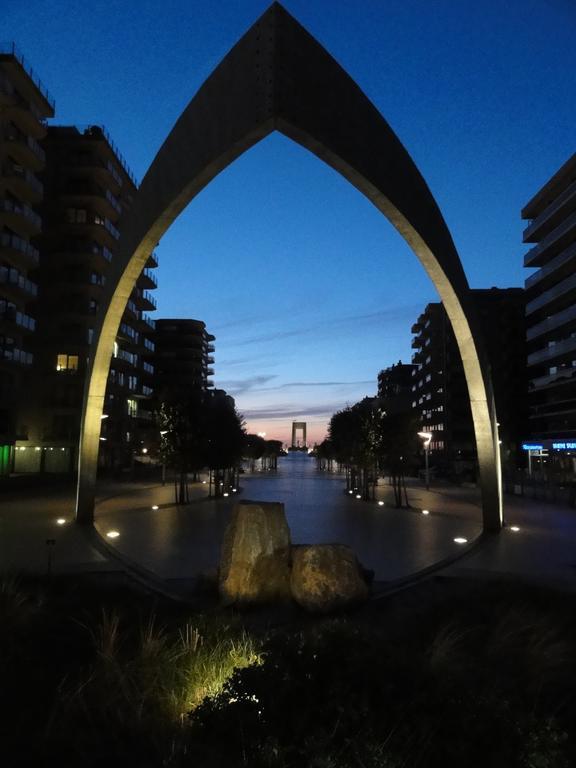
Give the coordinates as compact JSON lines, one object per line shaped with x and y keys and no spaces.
{"x":426,"y":436}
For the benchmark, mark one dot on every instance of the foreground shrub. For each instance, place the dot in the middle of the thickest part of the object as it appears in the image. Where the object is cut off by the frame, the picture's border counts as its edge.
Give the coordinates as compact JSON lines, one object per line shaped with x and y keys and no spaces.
{"x":454,"y":693}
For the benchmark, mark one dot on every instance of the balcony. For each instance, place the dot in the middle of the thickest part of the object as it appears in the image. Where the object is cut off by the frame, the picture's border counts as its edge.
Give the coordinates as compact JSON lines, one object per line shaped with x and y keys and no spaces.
{"x":17,"y":284}
{"x":20,"y":216}
{"x":19,"y":250}
{"x":148,"y":325}
{"x":561,"y":377}
{"x":560,"y":263}
{"x":24,"y":148}
{"x":564,"y":203}
{"x":11,"y":50}
{"x":559,"y":349}
{"x":23,"y":182}
{"x":19,"y":319}
{"x":152,"y":260}
{"x":93,"y":195}
{"x":552,"y":294}
{"x":144,"y":300}
{"x":210,"y":348}
{"x":554,"y":242}
{"x":552,"y":323}
{"x":15,"y":355}
{"x":147,"y":279}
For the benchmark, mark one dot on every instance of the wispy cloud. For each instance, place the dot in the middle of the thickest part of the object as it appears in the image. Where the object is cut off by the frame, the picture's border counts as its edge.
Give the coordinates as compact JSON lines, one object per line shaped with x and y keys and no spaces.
{"x":239,"y":386}
{"x":341,"y":325}
{"x":292,"y":412}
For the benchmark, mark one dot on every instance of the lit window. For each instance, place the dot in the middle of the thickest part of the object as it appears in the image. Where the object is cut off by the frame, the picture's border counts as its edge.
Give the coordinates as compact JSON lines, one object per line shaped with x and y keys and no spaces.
{"x":132,"y":406}
{"x":67,"y":363}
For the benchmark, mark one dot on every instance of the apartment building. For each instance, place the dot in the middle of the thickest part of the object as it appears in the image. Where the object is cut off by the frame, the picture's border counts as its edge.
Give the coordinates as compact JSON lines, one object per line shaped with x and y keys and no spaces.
{"x":183,"y":357}
{"x":439,"y":390}
{"x":551,"y":308}
{"x":24,"y":107}
{"x":395,"y":387}
{"x":88,"y":190}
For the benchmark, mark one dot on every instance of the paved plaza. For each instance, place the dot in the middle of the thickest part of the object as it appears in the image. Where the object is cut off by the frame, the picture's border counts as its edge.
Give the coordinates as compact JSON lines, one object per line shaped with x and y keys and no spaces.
{"x":178,"y":544}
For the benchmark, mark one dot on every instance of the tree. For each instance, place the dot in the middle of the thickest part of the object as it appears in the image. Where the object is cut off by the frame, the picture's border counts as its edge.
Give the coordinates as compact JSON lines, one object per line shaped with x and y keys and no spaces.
{"x":398,"y":451}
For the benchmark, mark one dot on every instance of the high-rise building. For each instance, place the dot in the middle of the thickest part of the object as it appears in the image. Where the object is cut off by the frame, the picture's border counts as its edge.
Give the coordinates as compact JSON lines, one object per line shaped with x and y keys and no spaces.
{"x":89,"y":188}
{"x":183,"y":356}
{"x":551,"y":307}
{"x":440,"y":393}
{"x":395,"y":387}
{"x":24,"y":107}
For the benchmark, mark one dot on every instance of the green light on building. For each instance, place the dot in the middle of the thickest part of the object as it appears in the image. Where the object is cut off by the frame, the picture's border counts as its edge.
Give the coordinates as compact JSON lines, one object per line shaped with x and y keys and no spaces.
{"x":5,"y":459}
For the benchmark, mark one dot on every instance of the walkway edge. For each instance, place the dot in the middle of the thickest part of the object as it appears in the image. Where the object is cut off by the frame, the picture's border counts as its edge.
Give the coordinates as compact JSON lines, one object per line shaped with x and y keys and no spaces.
{"x":398,"y":585}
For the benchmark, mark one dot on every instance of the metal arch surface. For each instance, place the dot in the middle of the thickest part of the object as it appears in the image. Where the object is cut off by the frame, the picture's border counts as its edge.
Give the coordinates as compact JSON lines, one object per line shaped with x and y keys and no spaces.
{"x":278,"y":77}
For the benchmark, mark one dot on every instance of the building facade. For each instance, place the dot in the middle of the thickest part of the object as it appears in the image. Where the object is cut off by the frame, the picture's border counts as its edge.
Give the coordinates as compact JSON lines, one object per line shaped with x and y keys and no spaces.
{"x":88,"y":189}
{"x":551,"y":307}
{"x":183,"y":357}
{"x":24,"y":107}
{"x":439,"y":390}
{"x":395,"y":387}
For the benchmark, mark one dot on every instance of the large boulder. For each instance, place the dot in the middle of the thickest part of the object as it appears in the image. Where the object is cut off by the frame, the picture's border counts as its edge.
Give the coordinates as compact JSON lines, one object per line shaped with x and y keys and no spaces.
{"x":326,"y":577}
{"x":255,"y":558}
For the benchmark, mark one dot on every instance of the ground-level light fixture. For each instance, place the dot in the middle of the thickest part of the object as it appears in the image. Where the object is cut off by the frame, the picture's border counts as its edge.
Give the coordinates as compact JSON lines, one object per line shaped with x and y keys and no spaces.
{"x":514,"y":528}
{"x":350,"y":491}
{"x":203,"y":482}
{"x":113,"y":534}
{"x":155,"y":506}
{"x":144,"y":450}
{"x":425,"y":511}
{"x":380,"y":503}
{"x":234,"y":490}
{"x":103,"y":439}
{"x":163,"y":432}
{"x":225,"y":494}
{"x":358,"y":495}
{"x":460,"y":540}
{"x":61,"y":521}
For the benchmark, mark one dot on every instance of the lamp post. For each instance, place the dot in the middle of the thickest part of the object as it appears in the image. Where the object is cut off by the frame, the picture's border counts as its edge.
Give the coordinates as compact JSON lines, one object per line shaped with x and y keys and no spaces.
{"x":426,"y":436}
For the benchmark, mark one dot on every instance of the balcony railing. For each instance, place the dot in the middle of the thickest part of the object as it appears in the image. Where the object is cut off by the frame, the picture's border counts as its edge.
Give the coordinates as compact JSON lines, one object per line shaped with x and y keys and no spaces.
{"x":147,"y":320}
{"x":16,"y":355}
{"x":11,"y":49}
{"x":22,"y":210}
{"x":560,"y":289}
{"x":13,"y":135}
{"x":19,"y":244}
{"x":558,"y":261}
{"x":562,"y":229}
{"x":551,"y":353}
{"x":10,"y":276}
{"x":551,"y":323}
{"x":18,"y":172}
{"x":568,"y":194}
{"x":19,"y":318}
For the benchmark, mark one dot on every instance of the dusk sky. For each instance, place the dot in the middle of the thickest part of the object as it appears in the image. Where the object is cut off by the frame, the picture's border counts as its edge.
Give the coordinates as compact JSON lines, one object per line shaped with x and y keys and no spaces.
{"x":308,"y":289}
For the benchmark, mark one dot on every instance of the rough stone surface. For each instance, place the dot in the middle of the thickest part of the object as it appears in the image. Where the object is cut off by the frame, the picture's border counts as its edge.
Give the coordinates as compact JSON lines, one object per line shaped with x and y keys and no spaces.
{"x":255,"y":559}
{"x":326,"y":577}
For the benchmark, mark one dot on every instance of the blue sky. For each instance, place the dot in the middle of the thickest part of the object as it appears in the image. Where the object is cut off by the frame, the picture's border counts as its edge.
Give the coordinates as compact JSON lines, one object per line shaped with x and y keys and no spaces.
{"x":309,"y":291}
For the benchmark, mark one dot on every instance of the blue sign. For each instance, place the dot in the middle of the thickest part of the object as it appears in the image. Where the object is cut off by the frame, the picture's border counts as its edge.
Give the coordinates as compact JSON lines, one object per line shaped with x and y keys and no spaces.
{"x":532,"y":446}
{"x":564,"y":446}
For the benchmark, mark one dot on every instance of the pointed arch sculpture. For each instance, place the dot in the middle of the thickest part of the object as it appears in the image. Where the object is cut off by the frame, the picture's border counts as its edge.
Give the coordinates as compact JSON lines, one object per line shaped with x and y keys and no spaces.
{"x":278,"y":77}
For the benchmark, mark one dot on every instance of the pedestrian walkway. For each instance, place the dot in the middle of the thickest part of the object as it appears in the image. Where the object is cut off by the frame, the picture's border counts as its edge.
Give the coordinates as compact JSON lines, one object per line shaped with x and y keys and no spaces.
{"x":178,"y":544}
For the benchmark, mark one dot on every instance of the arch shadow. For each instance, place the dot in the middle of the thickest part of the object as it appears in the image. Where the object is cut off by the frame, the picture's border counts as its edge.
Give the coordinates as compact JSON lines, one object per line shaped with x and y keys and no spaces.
{"x":279,"y":78}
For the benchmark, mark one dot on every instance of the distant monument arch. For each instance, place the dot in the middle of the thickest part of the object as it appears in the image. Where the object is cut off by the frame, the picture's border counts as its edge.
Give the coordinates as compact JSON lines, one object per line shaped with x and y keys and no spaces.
{"x":299,"y":426}
{"x":278,"y":77}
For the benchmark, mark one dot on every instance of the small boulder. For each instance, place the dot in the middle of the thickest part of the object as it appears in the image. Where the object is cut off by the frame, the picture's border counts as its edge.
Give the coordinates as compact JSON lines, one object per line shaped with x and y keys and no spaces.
{"x":255,"y":558}
{"x":326,"y":577}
